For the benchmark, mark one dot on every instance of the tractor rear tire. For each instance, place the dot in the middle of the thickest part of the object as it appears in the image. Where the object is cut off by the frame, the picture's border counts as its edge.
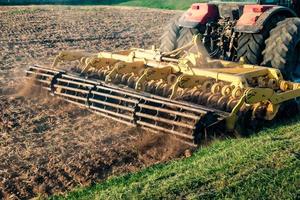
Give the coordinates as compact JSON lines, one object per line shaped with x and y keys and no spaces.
{"x":283,"y":48}
{"x":168,"y":41}
{"x":250,"y":47}
{"x":175,"y":36}
{"x":186,"y":36}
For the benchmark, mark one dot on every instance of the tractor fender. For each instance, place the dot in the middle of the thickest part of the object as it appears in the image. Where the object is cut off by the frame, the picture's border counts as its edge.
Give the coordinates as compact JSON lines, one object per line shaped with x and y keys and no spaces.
{"x":199,"y":13}
{"x":255,"y":17}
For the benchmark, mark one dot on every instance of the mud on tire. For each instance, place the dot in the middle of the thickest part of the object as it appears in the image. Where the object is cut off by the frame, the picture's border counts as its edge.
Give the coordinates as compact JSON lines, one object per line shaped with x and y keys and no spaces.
{"x":283,"y":48}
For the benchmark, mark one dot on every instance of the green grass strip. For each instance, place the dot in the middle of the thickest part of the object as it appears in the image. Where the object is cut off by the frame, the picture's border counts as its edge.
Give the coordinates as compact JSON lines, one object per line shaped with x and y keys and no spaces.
{"x":264,"y":166}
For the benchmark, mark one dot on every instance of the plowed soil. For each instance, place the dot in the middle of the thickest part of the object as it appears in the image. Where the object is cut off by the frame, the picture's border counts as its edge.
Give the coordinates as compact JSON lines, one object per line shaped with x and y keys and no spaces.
{"x":48,"y":146}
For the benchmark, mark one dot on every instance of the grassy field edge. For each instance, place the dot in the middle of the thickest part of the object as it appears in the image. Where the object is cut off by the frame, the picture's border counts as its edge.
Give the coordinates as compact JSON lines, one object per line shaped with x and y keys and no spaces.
{"x":167,"y":4}
{"x":264,"y":166}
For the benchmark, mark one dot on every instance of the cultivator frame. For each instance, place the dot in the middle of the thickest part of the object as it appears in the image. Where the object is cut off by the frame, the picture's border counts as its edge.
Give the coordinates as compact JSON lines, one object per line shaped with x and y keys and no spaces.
{"x":180,"y":93}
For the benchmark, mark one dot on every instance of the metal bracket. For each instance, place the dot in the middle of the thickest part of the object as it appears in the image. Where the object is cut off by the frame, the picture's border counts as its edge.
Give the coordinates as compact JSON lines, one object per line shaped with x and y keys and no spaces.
{"x":125,"y":68}
{"x":71,"y":56}
{"x":98,"y":63}
{"x":232,"y":118}
{"x":153,"y":74}
{"x":189,"y":81}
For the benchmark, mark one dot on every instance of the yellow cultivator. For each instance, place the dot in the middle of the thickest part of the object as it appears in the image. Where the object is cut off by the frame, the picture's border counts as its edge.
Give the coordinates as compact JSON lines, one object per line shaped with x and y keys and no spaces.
{"x":182,"y":92}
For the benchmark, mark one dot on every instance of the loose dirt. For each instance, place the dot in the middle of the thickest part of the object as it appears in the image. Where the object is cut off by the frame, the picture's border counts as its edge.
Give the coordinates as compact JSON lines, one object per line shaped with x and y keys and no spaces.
{"x":48,"y":146}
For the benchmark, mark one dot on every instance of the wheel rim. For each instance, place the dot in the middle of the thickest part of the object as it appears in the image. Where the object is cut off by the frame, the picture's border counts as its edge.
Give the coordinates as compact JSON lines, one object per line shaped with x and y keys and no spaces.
{"x":296,"y":64}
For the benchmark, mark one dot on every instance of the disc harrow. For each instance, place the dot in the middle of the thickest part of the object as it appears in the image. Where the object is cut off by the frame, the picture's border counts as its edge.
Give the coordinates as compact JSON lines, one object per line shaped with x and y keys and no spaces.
{"x":189,"y":97}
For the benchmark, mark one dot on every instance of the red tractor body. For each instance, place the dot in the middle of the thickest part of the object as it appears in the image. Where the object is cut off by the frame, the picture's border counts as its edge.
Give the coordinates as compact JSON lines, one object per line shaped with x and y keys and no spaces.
{"x":247,"y":17}
{"x":200,"y":13}
{"x":251,"y":14}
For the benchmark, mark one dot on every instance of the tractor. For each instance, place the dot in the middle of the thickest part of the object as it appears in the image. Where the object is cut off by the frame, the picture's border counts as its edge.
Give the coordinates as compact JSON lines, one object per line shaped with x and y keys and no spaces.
{"x":266,"y":32}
